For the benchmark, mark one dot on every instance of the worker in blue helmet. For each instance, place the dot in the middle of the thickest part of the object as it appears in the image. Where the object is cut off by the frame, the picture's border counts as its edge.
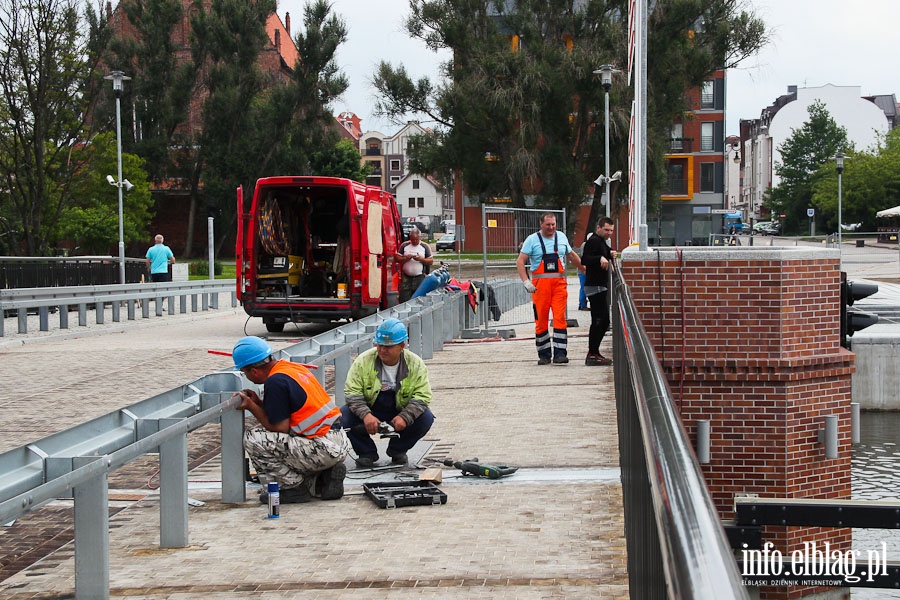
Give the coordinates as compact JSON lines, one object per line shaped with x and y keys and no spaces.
{"x":387,"y":383}
{"x":295,"y":443}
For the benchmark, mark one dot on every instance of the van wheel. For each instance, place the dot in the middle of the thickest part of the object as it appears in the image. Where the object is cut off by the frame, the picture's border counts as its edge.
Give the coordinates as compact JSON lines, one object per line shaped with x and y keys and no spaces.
{"x":274,"y":326}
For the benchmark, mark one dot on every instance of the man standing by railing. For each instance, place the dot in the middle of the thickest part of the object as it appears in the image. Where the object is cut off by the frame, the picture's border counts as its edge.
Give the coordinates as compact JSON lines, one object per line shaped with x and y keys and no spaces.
{"x":159,"y":257}
{"x":545,"y":250}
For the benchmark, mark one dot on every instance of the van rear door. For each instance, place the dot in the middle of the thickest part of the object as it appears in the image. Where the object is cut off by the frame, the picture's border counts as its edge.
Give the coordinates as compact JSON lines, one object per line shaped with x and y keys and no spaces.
{"x":372,"y":248}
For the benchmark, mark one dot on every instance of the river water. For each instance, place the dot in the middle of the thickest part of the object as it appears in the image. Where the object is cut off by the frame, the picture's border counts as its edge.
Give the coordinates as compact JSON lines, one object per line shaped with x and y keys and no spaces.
{"x":876,"y":476}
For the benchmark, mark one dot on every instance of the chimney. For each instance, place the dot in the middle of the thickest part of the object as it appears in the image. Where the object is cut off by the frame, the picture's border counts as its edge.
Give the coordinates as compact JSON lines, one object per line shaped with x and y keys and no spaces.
{"x":278,"y":41}
{"x":287,"y":23}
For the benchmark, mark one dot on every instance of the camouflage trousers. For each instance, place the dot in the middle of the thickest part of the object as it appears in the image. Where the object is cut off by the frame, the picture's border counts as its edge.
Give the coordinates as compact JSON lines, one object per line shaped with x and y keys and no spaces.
{"x":293,"y":461}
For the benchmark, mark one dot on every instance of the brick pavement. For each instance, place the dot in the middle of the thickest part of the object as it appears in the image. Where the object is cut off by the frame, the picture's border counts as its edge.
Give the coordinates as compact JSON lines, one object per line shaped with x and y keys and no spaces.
{"x":553,"y":530}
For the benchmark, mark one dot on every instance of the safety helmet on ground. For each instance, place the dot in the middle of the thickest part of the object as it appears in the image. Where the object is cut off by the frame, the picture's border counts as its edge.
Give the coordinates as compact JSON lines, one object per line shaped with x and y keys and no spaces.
{"x":250,"y":350}
{"x":390,"y":333}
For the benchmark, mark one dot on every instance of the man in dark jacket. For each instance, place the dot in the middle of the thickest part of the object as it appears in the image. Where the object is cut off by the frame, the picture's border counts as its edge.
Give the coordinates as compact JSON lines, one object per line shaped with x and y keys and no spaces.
{"x":597,"y":259}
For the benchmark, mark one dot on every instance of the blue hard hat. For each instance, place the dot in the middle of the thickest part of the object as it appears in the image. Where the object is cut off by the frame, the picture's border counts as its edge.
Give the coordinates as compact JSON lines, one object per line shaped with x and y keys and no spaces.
{"x":390,"y":333}
{"x":250,"y":350}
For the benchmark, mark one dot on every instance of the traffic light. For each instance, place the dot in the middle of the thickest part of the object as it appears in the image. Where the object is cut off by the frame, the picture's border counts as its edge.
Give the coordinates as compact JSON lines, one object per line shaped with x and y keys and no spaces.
{"x":854,"y":320}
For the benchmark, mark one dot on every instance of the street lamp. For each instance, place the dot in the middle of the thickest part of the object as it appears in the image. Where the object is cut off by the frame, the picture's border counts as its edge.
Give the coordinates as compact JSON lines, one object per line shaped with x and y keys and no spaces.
{"x":839,"y":165}
{"x":117,"y":78}
{"x":606,"y":72}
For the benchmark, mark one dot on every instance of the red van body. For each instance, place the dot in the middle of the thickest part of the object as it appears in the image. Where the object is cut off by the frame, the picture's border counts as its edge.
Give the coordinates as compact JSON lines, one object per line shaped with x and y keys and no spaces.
{"x":316,"y":249}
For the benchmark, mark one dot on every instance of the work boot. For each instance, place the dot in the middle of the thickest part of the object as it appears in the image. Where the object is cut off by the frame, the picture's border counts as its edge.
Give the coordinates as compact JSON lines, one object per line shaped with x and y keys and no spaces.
{"x":543,"y":360}
{"x":560,"y":360}
{"x":597,"y":360}
{"x":297,"y":495}
{"x":398,"y":458}
{"x":366,"y":461}
{"x":333,"y":482}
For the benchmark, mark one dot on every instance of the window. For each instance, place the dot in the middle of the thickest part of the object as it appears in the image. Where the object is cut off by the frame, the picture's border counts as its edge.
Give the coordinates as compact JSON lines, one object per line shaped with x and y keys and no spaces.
{"x":706,"y":136}
{"x":421,"y":202}
{"x":677,"y":137}
{"x":675,"y":183}
{"x":395,"y":165}
{"x":395,"y":179}
{"x":708,"y":95}
{"x":412,"y":202}
{"x":707,"y":177}
{"x":415,"y":183}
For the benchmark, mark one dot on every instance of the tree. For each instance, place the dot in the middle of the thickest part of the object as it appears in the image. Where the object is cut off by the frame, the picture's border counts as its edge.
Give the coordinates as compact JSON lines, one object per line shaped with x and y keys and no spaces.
{"x":91,"y":223}
{"x":803,"y":155}
{"x":340,"y":160}
{"x":46,"y":75}
{"x":870,"y":182}
{"x":520,"y":90}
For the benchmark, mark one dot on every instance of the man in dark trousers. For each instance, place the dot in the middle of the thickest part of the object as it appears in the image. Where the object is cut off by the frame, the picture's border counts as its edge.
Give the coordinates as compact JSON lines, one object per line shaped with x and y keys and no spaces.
{"x":597,"y":259}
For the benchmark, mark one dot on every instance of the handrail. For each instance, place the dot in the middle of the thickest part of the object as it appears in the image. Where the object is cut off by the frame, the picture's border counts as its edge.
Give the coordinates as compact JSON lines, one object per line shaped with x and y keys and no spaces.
{"x":676,"y":544}
{"x":25,"y":300}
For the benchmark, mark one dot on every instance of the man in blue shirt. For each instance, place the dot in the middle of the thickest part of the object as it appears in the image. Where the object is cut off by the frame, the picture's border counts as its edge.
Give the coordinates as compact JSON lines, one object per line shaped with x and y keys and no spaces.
{"x":159,"y":257}
{"x":545,"y":252}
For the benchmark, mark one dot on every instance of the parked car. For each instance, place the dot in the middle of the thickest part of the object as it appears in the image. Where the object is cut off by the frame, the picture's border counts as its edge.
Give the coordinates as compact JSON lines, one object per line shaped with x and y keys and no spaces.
{"x":447,"y":242}
{"x":409,"y":226}
{"x":772,"y":228}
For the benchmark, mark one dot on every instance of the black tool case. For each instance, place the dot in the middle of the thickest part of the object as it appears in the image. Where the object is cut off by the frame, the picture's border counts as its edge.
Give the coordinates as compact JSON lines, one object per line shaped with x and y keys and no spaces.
{"x":404,"y":493}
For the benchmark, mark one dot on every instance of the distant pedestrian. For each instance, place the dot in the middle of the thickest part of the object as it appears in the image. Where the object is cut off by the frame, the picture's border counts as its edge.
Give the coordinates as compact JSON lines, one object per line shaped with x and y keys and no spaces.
{"x":414,"y":258}
{"x":597,"y":259}
{"x":582,"y":299}
{"x":545,"y":252}
{"x":159,"y":257}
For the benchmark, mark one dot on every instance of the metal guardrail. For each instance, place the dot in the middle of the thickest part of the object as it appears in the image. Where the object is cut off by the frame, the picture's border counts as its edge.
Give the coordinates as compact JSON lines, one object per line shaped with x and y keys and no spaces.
{"x":56,"y":271}
{"x":203,"y":294}
{"x":677,"y":547}
{"x":76,"y":462}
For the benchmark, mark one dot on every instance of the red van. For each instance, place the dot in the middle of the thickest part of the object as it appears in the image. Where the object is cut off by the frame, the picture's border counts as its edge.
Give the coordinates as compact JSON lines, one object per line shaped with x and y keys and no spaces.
{"x":316,"y":249}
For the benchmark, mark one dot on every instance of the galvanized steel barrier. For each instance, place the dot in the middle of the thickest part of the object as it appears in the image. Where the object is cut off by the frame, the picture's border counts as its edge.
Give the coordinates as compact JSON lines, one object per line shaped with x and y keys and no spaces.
{"x":203,"y":294}
{"x":76,"y":462}
{"x":676,"y":544}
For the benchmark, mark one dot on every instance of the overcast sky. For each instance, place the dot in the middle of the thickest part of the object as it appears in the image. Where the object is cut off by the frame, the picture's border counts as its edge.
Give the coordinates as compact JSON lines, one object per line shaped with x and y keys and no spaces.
{"x":813,"y":42}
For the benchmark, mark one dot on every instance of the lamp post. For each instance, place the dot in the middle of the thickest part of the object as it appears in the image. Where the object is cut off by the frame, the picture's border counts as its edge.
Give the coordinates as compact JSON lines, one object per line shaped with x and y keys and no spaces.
{"x":117,"y":78}
{"x":606,"y":72}
{"x":839,"y":165}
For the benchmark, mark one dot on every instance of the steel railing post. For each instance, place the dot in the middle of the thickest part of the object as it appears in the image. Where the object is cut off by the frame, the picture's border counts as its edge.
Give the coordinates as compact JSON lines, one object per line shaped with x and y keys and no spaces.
{"x":173,"y":494}
{"x":91,"y":534}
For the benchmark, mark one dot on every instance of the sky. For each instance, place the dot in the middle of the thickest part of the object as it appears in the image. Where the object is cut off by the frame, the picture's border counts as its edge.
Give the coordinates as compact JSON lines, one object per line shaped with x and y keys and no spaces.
{"x":813,"y":43}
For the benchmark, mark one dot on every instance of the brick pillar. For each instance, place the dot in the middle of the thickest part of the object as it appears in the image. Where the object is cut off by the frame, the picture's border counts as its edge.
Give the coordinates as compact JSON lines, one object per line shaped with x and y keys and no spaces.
{"x":749,"y":339}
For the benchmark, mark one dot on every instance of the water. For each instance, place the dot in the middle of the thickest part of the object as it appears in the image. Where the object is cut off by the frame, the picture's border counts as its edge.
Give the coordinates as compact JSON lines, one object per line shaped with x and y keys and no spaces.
{"x":876,"y":476}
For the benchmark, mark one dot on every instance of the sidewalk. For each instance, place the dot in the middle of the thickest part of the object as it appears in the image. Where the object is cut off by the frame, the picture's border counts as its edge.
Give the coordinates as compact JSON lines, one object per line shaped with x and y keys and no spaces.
{"x":553,"y":529}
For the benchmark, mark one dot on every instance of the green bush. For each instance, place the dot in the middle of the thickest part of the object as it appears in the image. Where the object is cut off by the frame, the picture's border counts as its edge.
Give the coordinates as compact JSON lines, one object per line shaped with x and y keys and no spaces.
{"x":202,"y":268}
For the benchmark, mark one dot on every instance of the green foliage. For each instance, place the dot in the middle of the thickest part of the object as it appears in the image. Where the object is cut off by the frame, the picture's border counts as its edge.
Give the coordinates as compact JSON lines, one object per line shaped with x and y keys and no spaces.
{"x":805,"y":157}
{"x":870,"y":182}
{"x":47,"y":63}
{"x":340,"y":160}
{"x":537,"y":110}
{"x":201,"y":269}
{"x":90,"y":222}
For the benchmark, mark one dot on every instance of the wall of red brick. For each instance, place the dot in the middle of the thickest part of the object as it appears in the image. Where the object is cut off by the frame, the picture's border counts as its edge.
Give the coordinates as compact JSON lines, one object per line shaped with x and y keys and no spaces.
{"x":749,"y":339}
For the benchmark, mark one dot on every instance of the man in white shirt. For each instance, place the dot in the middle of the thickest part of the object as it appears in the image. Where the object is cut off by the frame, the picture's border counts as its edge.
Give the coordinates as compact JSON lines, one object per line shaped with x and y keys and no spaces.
{"x":413,"y":257}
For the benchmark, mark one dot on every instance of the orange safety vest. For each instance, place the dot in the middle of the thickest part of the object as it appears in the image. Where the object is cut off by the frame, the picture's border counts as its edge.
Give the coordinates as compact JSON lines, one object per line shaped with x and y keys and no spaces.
{"x":319,"y":412}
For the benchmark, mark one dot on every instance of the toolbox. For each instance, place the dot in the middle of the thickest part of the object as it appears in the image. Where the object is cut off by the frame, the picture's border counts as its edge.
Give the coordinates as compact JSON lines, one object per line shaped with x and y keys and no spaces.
{"x":404,"y":493}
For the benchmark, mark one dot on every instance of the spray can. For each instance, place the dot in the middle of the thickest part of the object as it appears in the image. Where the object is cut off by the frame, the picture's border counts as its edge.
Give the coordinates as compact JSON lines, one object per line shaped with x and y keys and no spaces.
{"x":274,"y":500}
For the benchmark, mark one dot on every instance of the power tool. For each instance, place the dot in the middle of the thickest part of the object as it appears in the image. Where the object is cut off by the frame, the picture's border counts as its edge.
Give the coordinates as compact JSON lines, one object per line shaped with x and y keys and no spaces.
{"x":475,"y":468}
{"x":385,"y":430}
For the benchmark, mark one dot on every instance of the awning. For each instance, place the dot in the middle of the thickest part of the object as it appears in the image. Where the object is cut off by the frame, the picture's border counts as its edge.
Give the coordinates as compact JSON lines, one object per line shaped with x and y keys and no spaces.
{"x":889,"y":212}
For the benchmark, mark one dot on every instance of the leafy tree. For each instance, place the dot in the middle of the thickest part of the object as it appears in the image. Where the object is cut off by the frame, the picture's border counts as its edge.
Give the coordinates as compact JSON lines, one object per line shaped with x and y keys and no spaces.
{"x":340,"y":160}
{"x":521,"y":92}
{"x":803,"y":156}
{"x":253,"y":123}
{"x":46,"y":71}
{"x":870,"y":182}
{"x":92,"y":223}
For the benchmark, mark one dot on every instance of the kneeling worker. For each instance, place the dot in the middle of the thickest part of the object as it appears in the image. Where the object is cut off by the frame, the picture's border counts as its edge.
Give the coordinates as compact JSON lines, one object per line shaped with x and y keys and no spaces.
{"x":387,"y":383}
{"x":295,"y":445}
